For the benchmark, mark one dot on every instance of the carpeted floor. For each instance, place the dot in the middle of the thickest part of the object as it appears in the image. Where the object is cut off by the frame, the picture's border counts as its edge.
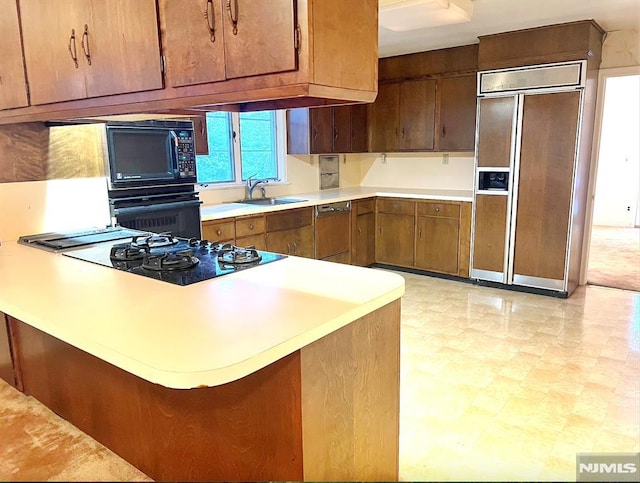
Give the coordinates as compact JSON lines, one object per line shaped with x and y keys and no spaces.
{"x":614,"y":257}
{"x":36,"y":445}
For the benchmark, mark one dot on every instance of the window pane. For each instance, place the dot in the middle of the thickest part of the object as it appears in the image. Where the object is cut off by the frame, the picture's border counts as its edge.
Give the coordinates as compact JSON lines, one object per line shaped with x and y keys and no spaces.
{"x":258,"y":144}
{"x":217,"y":166}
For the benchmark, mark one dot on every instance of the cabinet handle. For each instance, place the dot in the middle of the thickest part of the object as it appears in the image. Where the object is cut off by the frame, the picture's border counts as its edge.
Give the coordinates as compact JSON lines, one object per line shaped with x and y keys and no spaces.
{"x":295,"y":247}
{"x":437,"y":209}
{"x":444,"y":131}
{"x":335,"y":133}
{"x":218,"y":232}
{"x":251,"y":226}
{"x":72,"y":47}
{"x":210,"y":18}
{"x":420,"y":234}
{"x":233,"y":14}
{"x":288,"y":248}
{"x":85,"y":44}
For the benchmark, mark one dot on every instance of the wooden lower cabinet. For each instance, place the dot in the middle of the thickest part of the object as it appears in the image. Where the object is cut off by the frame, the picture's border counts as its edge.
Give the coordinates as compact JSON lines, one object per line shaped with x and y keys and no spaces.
{"x":333,"y":236}
{"x":363,"y":232}
{"x":7,"y":372}
{"x":427,"y":235}
{"x":395,"y":238}
{"x":291,"y":232}
{"x":284,"y":422}
{"x":437,"y":244}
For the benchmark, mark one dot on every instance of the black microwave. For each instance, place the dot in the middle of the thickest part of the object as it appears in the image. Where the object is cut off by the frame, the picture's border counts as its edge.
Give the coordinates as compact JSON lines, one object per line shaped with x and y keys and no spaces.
{"x":150,"y":153}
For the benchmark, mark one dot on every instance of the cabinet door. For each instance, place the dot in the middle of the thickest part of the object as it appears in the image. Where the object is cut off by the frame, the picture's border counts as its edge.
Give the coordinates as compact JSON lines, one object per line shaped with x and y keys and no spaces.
{"x":342,"y":129}
{"x":124,"y":47}
{"x":359,"y":128}
{"x":201,"y":136}
{"x":7,"y":372}
{"x":395,"y":239}
{"x":303,"y":242}
{"x":13,"y":85}
{"x":364,"y":240}
{"x":495,"y":127}
{"x":321,"y":130}
{"x":417,"y":115}
{"x":51,"y":35}
{"x":383,"y":119}
{"x":489,"y":234}
{"x":457,"y":128}
{"x":192,"y":41}
{"x":549,"y":131}
{"x":333,"y":234}
{"x":259,"y":37}
{"x":437,"y":244}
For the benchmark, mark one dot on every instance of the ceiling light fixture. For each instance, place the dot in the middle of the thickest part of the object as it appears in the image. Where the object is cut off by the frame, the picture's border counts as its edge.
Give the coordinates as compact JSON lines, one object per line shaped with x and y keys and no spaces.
{"x":403,"y":15}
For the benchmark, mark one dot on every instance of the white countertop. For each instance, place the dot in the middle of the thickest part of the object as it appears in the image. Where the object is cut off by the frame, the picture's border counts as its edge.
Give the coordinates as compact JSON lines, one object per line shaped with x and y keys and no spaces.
{"x":224,"y":210}
{"x":205,"y":334}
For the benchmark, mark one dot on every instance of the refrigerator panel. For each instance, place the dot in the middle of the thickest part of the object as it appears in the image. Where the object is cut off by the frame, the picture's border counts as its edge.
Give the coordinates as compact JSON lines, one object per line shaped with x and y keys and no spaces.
{"x":490,"y":235}
{"x":495,"y":121}
{"x":570,"y":75}
{"x":537,"y":282}
{"x":547,"y":154}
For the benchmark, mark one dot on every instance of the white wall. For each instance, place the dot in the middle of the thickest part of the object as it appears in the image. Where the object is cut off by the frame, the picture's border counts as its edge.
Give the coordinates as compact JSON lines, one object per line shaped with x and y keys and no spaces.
{"x":41,"y":206}
{"x":419,"y":170}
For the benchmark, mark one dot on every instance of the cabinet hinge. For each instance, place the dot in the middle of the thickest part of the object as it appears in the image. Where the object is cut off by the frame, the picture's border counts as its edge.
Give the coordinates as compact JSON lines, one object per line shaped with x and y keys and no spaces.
{"x":296,"y":38}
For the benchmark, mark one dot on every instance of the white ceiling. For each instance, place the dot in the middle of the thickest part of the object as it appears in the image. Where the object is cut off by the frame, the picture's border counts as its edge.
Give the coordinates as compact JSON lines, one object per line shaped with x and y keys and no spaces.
{"x":494,"y":16}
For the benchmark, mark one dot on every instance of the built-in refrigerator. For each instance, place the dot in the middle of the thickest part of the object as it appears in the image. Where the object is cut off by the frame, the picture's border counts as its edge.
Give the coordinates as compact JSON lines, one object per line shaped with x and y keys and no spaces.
{"x":530,"y":176}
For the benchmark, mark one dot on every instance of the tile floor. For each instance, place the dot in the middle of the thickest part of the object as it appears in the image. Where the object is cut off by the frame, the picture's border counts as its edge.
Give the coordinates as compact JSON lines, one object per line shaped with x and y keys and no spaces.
{"x":495,"y":385}
{"x":500,"y":385}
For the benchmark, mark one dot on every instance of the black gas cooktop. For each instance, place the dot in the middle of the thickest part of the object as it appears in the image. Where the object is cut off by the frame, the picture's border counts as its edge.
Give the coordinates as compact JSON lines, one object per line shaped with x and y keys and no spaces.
{"x":171,"y":259}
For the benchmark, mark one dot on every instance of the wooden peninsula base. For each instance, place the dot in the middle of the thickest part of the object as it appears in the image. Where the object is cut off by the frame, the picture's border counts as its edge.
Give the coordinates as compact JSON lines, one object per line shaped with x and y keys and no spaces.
{"x":329,"y":411}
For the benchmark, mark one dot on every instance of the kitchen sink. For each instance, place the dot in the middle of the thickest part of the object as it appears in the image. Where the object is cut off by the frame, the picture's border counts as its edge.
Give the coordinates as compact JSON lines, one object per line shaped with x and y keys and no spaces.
{"x":270,"y":201}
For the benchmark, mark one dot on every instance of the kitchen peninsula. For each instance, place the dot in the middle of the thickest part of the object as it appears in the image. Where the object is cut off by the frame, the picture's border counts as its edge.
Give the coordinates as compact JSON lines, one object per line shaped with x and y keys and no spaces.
{"x":264,"y":374}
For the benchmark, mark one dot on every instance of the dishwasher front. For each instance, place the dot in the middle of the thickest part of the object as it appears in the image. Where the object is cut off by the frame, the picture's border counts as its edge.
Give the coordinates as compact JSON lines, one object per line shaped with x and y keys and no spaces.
{"x":333,"y":232}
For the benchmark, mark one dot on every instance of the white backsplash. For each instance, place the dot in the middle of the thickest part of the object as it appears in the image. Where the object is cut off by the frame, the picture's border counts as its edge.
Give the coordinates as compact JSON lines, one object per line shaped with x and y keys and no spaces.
{"x":33,"y":207}
{"x":419,"y":171}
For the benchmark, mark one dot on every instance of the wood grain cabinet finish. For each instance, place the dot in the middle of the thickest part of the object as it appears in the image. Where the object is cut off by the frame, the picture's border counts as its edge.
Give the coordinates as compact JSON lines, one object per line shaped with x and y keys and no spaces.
{"x":250,"y":231}
{"x":76,"y":49}
{"x":403,"y":117}
{"x":495,"y":131}
{"x":489,"y":243}
{"x":291,"y":232}
{"x":201,"y":136}
{"x":457,"y":113}
{"x":7,"y":371}
{"x":210,"y":41}
{"x":322,"y":130}
{"x":222,"y":231}
{"x":363,"y":232}
{"x":424,"y":115}
{"x":580,"y":40}
{"x":395,"y":232}
{"x":333,"y":237}
{"x":13,"y":84}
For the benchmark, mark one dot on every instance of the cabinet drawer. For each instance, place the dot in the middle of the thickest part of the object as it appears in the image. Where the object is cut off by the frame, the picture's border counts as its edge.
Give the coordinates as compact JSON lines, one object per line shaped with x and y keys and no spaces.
{"x":257,"y":241}
{"x":220,"y":231}
{"x":250,"y":226}
{"x":362,"y":207}
{"x":446,"y":210}
{"x":398,"y":207}
{"x":286,"y":220}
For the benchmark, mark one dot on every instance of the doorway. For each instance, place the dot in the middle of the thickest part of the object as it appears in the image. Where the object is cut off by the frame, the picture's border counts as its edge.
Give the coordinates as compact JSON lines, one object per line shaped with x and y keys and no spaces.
{"x":614,"y":253}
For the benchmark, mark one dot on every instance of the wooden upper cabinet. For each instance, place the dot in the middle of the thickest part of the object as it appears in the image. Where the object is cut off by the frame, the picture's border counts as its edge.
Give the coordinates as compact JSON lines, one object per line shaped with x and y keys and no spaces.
{"x":384,"y":118}
{"x":76,"y":49}
{"x":13,"y":89}
{"x":254,"y":46}
{"x":457,"y":113}
{"x":417,"y":115}
{"x":193,"y":41}
{"x":340,"y":129}
{"x":495,"y":131}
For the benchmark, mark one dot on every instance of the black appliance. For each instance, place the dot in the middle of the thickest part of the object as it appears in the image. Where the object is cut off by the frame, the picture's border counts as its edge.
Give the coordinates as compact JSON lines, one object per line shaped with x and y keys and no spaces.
{"x":150,"y":153}
{"x":180,"y":261}
{"x":493,"y":180}
{"x":173,"y":209}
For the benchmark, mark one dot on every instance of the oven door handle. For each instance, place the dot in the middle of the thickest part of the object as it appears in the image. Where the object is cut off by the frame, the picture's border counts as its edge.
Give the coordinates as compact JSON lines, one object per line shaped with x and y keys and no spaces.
{"x":157,"y":207}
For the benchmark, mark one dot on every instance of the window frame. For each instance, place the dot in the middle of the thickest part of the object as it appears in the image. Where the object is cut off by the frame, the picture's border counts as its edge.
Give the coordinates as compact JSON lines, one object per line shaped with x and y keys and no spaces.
{"x":281,"y":154}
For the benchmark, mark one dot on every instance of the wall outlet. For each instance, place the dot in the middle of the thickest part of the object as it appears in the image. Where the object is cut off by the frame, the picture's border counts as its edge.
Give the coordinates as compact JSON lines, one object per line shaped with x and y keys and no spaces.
{"x":445,"y":158}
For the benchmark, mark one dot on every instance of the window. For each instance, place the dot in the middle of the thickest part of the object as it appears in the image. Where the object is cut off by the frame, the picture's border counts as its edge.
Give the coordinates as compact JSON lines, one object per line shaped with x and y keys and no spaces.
{"x":242,"y":145}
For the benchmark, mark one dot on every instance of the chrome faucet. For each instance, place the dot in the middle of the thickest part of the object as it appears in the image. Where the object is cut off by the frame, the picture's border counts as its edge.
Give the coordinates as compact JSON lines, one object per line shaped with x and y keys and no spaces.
{"x":252,"y":184}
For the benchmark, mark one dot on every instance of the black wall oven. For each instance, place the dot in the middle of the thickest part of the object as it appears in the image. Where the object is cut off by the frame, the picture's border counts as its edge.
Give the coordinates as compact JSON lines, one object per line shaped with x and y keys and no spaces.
{"x":151,"y":174}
